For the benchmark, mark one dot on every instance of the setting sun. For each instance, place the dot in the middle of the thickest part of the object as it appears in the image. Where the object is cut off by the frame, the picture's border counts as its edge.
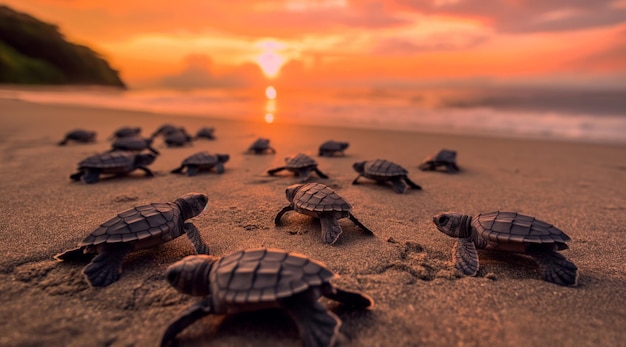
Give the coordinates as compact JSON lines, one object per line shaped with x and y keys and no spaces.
{"x":270,"y":61}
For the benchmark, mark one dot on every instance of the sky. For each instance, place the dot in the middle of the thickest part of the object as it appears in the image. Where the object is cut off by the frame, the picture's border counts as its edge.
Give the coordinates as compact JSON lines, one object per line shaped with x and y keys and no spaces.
{"x":299,"y":43}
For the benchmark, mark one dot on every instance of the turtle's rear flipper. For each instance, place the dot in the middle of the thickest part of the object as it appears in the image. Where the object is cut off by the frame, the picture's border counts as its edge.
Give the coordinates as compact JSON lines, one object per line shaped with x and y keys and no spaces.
{"x":106,"y":267}
{"x":556,"y":268}
{"x":398,"y":185}
{"x":411,"y":183}
{"x":185,"y":319}
{"x":304,"y":174}
{"x":348,"y":298}
{"x":318,"y":326}
{"x":330,"y":228}
{"x":319,"y":173}
{"x":76,"y":254}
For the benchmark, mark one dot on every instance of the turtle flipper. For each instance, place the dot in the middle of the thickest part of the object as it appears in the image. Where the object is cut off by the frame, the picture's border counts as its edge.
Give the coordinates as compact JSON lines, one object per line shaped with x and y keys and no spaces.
{"x":194,"y":236}
{"x":318,"y":326}
{"x":411,"y":183}
{"x":106,"y":267}
{"x":355,"y":181}
{"x":178,"y":170}
{"x":281,"y":213}
{"x":192,"y":170}
{"x":398,"y":185}
{"x":77,"y":176}
{"x":274,"y":171}
{"x":348,"y":298}
{"x":330,"y":228}
{"x":465,"y":257}
{"x":219,"y":168}
{"x":319,"y":173}
{"x":452,"y":168}
{"x":359,"y":224}
{"x":186,"y":318}
{"x":91,"y":176}
{"x":63,"y":142}
{"x":304,"y":174}
{"x":76,"y":254}
{"x":556,"y":268}
{"x":148,"y":172}
{"x":153,"y":150}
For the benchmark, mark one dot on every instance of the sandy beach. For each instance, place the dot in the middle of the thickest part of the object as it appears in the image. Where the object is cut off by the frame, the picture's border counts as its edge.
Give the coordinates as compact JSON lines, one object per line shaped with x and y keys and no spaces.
{"x":406,"y":267}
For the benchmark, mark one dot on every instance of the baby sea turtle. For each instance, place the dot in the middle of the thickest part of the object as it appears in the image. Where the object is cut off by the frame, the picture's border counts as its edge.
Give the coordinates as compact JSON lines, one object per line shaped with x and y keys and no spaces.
{"x":301,"y":165}
{"x":256,"y":279}
{"x":79,"y":135}
{"x":320,"y":201}
{"x":163,"y":130}
{"x":140,"y":227}
{"x":261,"y":146}
{"x":178,"y":138}
{"x":512,"y":232}
{"x":116,"y":163}
{"x":125,"y":132}
{"x":205,"y":133}
{"x":445,"y":158}
{"x":381,"y":171}
{"x":133,"y":143}
{"x":331,"y":148}
{"x":203,"y":161}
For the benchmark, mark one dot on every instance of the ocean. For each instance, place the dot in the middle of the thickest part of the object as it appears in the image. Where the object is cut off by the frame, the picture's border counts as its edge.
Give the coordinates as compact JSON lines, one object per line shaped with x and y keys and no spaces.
{"x":575,"y":115}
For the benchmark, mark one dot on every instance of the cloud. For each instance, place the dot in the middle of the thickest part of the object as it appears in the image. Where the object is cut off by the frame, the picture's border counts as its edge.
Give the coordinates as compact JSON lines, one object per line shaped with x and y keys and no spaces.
{"x":527,"y":15}
{"x":439,"y":42}
{"x":198,"y":73}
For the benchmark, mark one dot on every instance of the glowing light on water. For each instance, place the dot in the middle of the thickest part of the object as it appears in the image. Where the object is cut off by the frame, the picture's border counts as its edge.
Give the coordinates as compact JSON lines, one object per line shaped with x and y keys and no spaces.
{"x":270,"y":93}
{"x":269,"y":118}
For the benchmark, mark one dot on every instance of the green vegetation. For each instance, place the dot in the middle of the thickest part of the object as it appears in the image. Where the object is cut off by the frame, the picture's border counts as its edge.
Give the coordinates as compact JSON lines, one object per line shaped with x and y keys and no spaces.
{"x":34,"y":52}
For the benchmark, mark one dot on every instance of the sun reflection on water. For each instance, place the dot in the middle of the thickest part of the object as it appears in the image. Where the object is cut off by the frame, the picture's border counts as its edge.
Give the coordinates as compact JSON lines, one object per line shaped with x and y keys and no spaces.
{"x":270,"y":104}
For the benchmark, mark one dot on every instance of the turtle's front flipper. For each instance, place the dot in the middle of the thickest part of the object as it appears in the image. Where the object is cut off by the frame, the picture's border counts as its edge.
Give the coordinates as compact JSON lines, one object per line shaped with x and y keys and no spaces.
{"x":273,"y":171}
{"x":106,"y":267}
{"x":330,"y":228}
{"x":304,"y":174}
{"x":556,"y":268}
{"x":192,"y":170}
{"x":148,"y":172}
{"x":185,"y":319}
{"x":359,"y":224}
{"x":398,"y":185}
{"x":91,"y":176}
{"x":178,"y":170}
{"x":319,"y":173}
{"x":219,"y":168}
{"x":452,"y":168}
{"x":318,"y":326}
{"x":411,"y":183}
{"x":465,"y":257}
{"x":63,"y":142}
{"x":194,"y":236}
{"x":348,"y":298}
{"x":151,"y":149}
{"x":281,"y":213}
{"x":77,"y":176}
{"x":355,"y":181}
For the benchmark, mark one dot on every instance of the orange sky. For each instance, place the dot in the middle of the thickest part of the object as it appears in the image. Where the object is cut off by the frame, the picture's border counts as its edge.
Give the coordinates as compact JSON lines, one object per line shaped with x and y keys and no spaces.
{"x":199,"y":43}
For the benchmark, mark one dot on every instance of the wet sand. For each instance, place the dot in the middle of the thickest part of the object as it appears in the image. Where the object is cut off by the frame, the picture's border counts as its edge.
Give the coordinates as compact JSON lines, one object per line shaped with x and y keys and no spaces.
{"x":406,"y":267}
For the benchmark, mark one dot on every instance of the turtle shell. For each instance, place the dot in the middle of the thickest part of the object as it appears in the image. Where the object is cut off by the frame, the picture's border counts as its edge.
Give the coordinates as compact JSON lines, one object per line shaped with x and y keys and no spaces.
{"x":260,"y":144}
{"x":206,"y":133}
{"x":443,"y":156}
{"x":201,"y":159}
{"x":383,"y":168}
{"x":317,"y":197}
{"x":264,"y":275}
{"x":147,"y":225}
{"x":109,"y":160}
{"x":81,"y":135}
{"x":333,"y":146}
{"x":502,"y":228}
{"x":132,"y":143}
{"x":300,"y":161}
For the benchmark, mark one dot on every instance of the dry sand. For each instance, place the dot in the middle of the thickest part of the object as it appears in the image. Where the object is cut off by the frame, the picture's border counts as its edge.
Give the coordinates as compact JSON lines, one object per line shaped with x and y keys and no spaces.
{"x":406,"y":268}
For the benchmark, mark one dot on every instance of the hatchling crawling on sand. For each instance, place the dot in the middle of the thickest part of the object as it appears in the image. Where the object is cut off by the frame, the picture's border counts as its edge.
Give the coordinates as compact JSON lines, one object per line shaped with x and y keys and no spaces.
{"x":205,"y":133}
{"x":78,"y":135}
{"x":178,"y":138}
{"x":301,"y":165}
{"x":512,"y":232}
{"x":203,"y":161}
{"x":114,"y":163}
{"x":133,"y":143}
{"x":140,"y":227}
{"x":332,"y":148}
{"x":381,"y":170}
{"x":125,"y":132}
{"x":445,"y":159}
{"x":261,"y":146}
{"x":256,"y":279}
{"x":320,"y":201}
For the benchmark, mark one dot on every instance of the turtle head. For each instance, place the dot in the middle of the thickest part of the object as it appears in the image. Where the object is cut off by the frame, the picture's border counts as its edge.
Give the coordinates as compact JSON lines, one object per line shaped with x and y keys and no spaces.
{"x":222,"y":158}
{"x":190,"y":275}
{"x":192,"y":204}
{"x":144,"y":159}
{"x":291,"y":191}
{"x":453,"y":224}
{"x":359,"y":166}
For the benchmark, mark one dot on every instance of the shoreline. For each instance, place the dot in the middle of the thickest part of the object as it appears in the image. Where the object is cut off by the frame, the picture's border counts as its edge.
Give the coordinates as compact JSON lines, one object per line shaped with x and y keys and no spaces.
{"x":405,"y":267}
